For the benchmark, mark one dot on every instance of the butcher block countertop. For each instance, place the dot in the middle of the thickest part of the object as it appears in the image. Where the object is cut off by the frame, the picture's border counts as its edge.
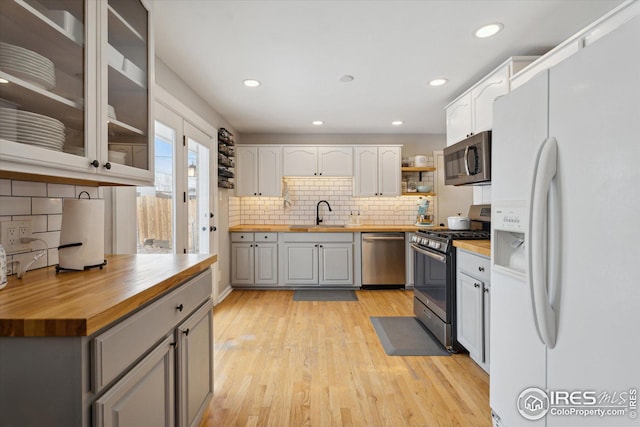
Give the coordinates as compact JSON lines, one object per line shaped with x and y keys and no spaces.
{"x":79,"y":303}
{"x":481,"y":247}
{"x":280,"y":228}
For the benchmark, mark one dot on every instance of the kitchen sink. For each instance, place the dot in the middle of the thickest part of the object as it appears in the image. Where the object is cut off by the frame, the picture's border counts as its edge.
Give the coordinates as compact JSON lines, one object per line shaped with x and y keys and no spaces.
{"x":310,"y":226}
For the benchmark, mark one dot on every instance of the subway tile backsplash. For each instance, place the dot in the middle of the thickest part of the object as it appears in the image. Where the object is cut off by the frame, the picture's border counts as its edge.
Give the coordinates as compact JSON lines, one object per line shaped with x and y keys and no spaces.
{"x":42,"y":204}
{"x":305,"y":193}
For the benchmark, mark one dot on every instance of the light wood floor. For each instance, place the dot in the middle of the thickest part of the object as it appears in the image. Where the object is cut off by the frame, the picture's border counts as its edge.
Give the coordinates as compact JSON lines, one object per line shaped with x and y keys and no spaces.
{"x":280,"y":363}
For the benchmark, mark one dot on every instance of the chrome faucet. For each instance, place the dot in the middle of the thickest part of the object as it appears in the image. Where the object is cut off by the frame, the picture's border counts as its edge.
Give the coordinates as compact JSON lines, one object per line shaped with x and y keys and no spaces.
{"x":318,"y":220}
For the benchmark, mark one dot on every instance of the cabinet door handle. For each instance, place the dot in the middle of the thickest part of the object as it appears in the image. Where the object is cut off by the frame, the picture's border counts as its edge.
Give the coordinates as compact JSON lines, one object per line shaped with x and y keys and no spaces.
{"x":186,"y":332}
{"x":95,"y":163}
{"x":174,"y":344}
{"x":476,"y":285}
{"x":107,"y":165}
{"x":210,"y":214}
{"x":179,"y":307}
{"x":480,"y":268}
{"x":212,"y":228}
{"x":486,"y":290}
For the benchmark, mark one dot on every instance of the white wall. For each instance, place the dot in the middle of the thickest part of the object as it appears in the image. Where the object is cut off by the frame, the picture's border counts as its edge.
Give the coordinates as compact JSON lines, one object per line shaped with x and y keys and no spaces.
{"x":175,"y":86}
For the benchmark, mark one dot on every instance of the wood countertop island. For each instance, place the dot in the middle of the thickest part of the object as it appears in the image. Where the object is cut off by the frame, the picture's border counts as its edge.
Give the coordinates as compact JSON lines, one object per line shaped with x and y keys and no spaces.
{"x":78,"y":303}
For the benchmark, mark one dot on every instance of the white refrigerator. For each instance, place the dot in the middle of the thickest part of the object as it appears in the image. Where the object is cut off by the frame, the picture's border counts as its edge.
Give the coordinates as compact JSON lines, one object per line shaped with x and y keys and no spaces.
{"x":565,"y":281}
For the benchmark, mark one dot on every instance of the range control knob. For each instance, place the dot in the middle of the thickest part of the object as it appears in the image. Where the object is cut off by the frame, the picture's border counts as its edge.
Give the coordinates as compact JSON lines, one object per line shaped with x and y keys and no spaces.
{"x":437,"y":245}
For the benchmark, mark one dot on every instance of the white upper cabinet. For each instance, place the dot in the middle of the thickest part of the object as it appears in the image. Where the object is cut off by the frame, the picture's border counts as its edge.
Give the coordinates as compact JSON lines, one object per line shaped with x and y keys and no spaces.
{"x":317,"y":161}
{"x":258,"y":171}
{"x":458,"y":116}
{"x":377,"y":171}
{"x":472,"y":112}
{"x":483,"y":95}
{"x":335,"y":161}
{"x":299,"y":161}
{"x":77,"y":71}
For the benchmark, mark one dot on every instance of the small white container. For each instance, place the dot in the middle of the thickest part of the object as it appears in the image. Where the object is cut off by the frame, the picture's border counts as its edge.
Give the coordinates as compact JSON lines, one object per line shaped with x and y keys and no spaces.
{"x":459,"y":222}
{"x":420,"y":161}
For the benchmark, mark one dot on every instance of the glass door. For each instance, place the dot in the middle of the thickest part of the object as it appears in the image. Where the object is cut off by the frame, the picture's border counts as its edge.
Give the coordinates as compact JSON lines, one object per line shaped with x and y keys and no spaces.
{"x":176,"y":214}
{"x":156,"y":206}
{"x":199,"y":200}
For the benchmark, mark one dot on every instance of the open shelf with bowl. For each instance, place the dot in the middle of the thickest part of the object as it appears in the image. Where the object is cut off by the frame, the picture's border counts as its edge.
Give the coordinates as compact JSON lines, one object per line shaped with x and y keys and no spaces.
{"x":406,"y":170}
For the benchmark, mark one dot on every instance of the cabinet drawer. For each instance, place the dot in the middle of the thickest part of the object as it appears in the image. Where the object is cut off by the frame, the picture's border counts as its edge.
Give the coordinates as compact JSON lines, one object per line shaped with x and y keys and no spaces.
{"x":474,"y":265}
{"x":266,"y":237}
{"x":120,"y":346}
{"x":242,"y":237}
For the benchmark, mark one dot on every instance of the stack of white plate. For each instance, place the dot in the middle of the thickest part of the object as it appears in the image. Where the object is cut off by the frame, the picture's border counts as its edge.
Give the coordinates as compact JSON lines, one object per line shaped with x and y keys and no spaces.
{"x":31,"y":128}
{"x":117,"y":157}
{"x":111,"y":112}
{"x":27,"y":65}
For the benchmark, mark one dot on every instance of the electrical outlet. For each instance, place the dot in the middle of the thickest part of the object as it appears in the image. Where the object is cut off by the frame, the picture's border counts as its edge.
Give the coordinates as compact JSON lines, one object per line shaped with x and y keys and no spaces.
{"x":10,"y":234}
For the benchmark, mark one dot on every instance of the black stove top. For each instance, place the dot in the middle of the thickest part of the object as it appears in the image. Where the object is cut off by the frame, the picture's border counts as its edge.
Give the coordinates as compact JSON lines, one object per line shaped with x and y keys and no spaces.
{"x":458,"y":234}
{"x":442,"y":240}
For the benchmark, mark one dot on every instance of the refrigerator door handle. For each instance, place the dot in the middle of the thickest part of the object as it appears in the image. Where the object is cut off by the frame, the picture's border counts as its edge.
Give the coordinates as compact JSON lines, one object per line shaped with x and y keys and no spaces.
{"x":544,"y":172}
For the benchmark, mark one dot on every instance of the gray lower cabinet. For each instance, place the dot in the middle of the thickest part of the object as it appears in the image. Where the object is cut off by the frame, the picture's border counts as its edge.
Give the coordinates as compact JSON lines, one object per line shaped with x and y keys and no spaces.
{"x":184,"y":357}
{"x":143,"y":397}
{"x":152,"y":368}
{"x":473,"y":305}
{"x":254,"y":259}
{"x":195,"y":366}
{"x":317,"y":259}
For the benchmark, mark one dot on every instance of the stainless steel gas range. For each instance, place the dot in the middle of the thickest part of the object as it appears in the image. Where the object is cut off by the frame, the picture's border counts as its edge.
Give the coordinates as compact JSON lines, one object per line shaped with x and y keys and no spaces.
{"x":434,"y":269}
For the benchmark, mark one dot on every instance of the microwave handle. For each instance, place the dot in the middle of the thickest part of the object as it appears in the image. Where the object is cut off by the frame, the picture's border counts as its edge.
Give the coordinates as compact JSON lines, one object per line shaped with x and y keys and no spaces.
{"x":466,"y":159}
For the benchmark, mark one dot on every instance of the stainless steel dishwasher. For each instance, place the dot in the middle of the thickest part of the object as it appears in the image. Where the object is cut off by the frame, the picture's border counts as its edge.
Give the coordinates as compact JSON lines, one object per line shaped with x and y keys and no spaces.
{"x":383,"y":260}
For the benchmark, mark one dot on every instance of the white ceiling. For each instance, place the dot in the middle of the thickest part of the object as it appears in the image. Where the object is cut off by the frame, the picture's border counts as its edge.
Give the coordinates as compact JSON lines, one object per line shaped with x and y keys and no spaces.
{"x":298,"y":49}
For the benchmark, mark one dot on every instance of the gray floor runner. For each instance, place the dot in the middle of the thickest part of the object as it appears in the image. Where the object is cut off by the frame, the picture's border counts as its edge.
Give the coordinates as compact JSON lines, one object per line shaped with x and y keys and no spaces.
{"x":324,"y":295}
{"x":405,"y":336}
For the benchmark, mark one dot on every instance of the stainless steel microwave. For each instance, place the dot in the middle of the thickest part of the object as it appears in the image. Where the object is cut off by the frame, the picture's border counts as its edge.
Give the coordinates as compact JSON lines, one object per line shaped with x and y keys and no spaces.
{"x":469,"y":161}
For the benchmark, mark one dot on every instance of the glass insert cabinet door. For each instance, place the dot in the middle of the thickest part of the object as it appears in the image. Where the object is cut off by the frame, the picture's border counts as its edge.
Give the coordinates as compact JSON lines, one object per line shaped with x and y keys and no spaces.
{"x":126,"y":64}
{"x":43,"y":82}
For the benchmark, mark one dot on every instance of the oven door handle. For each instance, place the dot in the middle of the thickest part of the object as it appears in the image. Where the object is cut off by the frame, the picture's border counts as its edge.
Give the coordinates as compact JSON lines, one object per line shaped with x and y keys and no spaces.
{"x":430,"y":254}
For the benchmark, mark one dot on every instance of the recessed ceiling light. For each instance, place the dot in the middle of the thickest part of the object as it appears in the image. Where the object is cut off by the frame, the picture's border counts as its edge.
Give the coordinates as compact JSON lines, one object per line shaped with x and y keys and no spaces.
{"x":251,"y":83}
{"x":346,"y":78}
{"x":489,"y":30}
{"x":4,"y":81}
{"x":397,"y":123}
{"x":317,"y":122}
{"x":438,"y":82}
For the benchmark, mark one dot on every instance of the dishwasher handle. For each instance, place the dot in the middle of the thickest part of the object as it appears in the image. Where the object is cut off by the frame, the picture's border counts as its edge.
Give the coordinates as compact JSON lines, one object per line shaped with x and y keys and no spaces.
{"x":368,"y":238}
